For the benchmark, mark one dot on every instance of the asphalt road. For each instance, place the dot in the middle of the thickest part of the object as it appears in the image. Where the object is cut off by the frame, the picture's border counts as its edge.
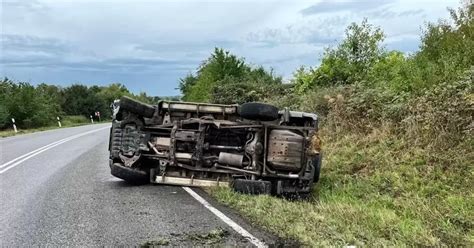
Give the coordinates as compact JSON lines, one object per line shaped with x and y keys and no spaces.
{"x":65,"y":196}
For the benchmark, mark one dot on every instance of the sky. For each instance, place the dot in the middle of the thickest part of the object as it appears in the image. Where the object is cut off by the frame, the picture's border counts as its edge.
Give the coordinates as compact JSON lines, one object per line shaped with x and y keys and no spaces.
{"x":149,"y":45}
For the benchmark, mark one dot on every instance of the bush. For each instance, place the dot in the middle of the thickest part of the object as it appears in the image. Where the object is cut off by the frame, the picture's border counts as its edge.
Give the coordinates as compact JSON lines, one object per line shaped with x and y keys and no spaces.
{"x":444,"y":114}
{"x":234,"y":90}
{"x":4,"y":114}
{"x":71,"y":120}
{"x":38,"y":106}
{"x":29,"y":106}
{"x":225,"y":78}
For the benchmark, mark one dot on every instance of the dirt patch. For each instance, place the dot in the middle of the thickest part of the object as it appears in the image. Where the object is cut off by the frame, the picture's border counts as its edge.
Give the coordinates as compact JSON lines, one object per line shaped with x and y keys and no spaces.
{"x":212,"y":237}
{"x":155,"y":243}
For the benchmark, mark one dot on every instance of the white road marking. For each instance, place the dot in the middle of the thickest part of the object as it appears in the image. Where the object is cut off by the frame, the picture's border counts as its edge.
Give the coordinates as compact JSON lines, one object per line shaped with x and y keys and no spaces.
{"x":112,"y":179}
{"x":25,"y":155}
{"x":255,"y":241}
{"x":12,"y":163}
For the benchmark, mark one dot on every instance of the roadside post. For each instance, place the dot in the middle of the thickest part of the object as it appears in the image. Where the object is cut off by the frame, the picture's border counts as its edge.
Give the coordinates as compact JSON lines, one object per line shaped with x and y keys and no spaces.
{"x":59,"y":121}
{"x":14,"y":126}
{"x":92,"y":120}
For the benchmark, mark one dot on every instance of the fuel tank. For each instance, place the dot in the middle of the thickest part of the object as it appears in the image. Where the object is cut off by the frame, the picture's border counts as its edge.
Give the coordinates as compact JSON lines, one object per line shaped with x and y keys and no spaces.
{"x":285,"y":150}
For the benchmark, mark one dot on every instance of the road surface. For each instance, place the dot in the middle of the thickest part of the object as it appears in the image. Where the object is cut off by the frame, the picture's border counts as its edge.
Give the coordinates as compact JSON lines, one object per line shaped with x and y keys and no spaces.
{"x":63,"y":195}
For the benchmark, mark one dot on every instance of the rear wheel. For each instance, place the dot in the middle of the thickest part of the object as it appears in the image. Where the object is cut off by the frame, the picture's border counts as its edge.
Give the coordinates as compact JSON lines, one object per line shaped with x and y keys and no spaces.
{"x":258,"y":111}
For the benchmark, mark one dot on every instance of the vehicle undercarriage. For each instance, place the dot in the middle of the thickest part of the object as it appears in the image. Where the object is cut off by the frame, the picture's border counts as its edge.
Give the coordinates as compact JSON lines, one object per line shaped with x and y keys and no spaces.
{"x":252,"y":147}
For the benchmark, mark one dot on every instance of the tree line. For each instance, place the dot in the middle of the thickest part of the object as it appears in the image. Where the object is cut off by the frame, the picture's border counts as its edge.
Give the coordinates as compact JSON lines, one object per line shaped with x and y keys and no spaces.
{"x":40,"y":105}
{"x":360,"y":82}
{"x":375,"y":81}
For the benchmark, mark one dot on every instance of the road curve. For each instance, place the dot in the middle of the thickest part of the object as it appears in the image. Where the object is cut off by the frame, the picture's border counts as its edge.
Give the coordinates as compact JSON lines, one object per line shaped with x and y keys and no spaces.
{"x":63,"y":195}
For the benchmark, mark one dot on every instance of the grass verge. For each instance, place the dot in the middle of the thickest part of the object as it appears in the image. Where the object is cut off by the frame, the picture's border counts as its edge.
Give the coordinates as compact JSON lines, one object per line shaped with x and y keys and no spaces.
{"x":379,"y":190}
{"x":68,"y":121}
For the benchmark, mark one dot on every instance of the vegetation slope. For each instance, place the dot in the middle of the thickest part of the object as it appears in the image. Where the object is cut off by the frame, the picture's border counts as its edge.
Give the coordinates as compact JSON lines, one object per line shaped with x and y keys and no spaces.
{"x":397,"y":135}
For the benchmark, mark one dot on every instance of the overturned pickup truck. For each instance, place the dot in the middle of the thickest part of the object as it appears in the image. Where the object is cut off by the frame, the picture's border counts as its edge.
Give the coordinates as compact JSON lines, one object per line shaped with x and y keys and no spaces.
{"x":253,"y":147}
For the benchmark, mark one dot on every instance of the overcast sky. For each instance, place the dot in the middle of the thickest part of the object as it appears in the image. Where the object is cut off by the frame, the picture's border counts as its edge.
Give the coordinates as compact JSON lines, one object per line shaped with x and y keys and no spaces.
{"x":149,"y":45}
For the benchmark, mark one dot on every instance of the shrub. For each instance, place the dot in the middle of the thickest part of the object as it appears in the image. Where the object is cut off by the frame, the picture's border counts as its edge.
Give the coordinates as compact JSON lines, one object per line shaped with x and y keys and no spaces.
{"x":225,"y":78}
{"x":71,"y":120}
{"x":444,"y":114}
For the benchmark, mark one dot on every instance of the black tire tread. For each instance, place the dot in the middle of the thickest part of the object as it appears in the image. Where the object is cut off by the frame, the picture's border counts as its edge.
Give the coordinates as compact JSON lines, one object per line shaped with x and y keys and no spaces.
{"x":258,"y":111}
{"x":136,"y":107}
{"x":130,"y":175}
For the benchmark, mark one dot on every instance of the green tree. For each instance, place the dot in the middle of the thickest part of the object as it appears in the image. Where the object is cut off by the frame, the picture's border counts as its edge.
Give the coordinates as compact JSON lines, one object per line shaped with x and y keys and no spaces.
{"x":256,"y":85}
{"x":81,"y":100}
{"x":219,"y":65}
{"x":186,"y":84}
{"x":303,"y":79}
{"x":446,"y":50}
{"x":350,"y":61}
{"x":30,"y":106}
{"x":225,"y":78}
{"x":113,"y":91}
{"x":5,"y":91}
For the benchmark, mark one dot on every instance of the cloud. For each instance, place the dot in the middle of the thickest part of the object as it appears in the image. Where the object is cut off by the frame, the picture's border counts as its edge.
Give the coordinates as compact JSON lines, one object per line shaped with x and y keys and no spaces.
{"x":321,"y":31}
{"x":36,"y":52}
{"x":146,"y":42}
{"x":388,"y":13}
{"x":29,"y":5}
{"x":25,"y":43}
{"x":410,"y":12}
{"x":328,"y":6}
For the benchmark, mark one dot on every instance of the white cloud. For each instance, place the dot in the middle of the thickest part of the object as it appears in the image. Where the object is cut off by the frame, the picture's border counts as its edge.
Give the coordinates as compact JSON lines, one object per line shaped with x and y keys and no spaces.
{"x":142,"y":42}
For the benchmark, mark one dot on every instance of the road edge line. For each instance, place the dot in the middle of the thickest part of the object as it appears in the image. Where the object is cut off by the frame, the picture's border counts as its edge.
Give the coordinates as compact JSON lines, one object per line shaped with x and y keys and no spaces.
{"x":255,"y":241}
{"x":43,"y":149}
{"x":29,"y":153}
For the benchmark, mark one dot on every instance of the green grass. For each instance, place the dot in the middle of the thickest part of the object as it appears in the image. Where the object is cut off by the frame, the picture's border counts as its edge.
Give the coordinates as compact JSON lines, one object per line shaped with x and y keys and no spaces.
{"x":212,"y":237}
{"x":375,"y":190}
{"x":67,"y":121}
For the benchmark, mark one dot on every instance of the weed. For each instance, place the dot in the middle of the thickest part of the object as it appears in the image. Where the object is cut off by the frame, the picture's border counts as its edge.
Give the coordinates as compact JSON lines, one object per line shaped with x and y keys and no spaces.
{"x":155,"y":243}
{"x":212,"y":237}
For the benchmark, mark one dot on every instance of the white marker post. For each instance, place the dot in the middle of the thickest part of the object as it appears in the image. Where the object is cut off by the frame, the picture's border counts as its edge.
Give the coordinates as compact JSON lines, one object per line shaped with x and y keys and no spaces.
{"x":92,"y":120}
{"x":59,"y":122}
{"x":14,"y":126}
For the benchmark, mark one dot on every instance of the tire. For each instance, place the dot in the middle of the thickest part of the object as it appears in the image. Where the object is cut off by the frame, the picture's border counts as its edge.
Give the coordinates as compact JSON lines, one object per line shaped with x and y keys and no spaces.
{"x":252,"y":186}
{"x":130,"y":175}
{"x":317,"y":167}
{"x":136,"y":107}
{"x":258,"y":111}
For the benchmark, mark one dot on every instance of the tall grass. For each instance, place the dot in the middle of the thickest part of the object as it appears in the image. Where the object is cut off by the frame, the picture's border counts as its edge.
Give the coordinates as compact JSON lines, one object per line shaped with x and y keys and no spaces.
{"x":397,"y":171}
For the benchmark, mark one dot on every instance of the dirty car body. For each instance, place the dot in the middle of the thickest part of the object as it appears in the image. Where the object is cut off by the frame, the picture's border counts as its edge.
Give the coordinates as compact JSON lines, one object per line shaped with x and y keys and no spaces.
{"x":253,"y":147}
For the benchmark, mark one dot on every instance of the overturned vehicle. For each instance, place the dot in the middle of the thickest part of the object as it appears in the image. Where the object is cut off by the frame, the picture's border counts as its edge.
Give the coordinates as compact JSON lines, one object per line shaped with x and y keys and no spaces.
{"x":253,"y":147}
